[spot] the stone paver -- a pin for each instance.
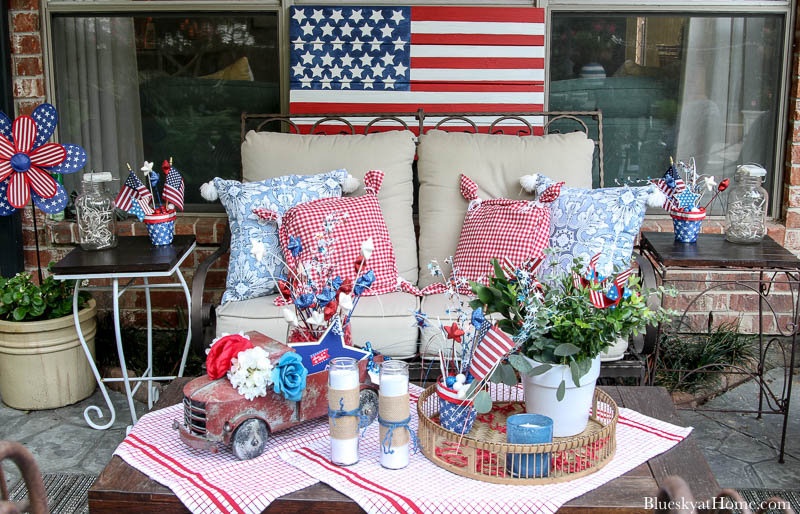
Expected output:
(60, 439)
(743, 450)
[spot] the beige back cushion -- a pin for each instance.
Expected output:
(496, 163)
(269, 154)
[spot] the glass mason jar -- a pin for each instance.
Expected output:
(97, 220)
(746, 215)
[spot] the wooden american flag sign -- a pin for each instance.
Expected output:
(347, 60)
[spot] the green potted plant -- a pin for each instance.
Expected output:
(42, 362)
(561, 333)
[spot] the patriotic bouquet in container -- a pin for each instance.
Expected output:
(567, 320)
(683, 189)
(156, 210)
(315, 286)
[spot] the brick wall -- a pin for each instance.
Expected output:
(57, 238)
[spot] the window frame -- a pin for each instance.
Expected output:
(786, 8)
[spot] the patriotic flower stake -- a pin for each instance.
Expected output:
(27, 160)
(147, 205)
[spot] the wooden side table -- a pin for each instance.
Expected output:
(712, 253)
(133, 258)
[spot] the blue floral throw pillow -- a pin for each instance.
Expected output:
(585, 222)
(256, 259)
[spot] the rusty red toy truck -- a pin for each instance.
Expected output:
(215, 414)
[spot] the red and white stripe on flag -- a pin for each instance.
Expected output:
(444, 59)
(494, 346)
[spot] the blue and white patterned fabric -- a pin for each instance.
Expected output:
(456, 417)
(161, 234)
(585, 222)
(247, 276)
(686, 231)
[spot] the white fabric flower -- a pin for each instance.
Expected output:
(711, 184)
(367, 247)
(317, 318)
(346, 301)
(251, 372)
(290, 316)
(257, 249)
(147, 167)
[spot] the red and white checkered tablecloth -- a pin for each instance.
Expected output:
(425, 487)
(216, 483)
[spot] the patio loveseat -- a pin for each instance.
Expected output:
(421, 227)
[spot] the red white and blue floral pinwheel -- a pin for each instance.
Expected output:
(26, 161)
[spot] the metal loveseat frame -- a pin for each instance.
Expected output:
(517, 123)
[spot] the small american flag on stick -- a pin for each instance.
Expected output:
(494, 346)
(174, 188)
(131, 189)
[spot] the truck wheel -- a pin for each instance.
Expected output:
(368, 403)
(250, 439)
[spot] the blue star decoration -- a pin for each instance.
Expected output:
(317, 355)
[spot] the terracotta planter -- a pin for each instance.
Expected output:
(42, 363)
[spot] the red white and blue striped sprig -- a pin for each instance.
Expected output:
(603, 297)
(27, 161)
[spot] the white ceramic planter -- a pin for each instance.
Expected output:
(569, 415)
(42, 363)
(616, 351)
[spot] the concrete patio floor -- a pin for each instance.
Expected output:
(741, 450)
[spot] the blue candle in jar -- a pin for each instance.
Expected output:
(528, 429)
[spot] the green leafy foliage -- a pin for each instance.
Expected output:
(23, 300)
(482, 402)
(556, 323)
(714, 350)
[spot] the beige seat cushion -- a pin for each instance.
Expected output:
(385, 320)
(496, 163)
(269, 154)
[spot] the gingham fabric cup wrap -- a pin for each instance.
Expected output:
(362, 219)
(514, 229)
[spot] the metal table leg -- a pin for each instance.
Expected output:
(189, 324)
(120, 351)
(97, 377)
(149, 343)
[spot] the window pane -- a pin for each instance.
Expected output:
(131, 88)
(672, 85)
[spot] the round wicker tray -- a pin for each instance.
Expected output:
(483, 453)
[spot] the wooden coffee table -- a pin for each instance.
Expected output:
(121, 488)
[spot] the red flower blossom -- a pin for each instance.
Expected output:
(218, 361)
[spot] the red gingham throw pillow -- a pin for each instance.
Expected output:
(514, 230)
(352, 221)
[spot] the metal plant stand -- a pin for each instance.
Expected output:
(769, 264)
(134, 258)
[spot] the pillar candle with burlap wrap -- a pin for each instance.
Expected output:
(343, 410)
(393, 415)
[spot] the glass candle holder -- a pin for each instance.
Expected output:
(343, 410)
(393, 415)
(528, 429)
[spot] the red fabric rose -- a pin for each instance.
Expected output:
(218, 361)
